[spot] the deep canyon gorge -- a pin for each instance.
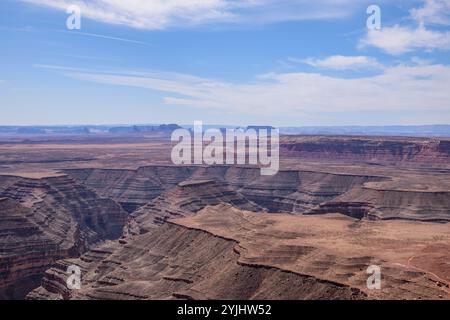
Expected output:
(141, 228)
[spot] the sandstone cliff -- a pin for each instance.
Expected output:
(68, 217)
(382, 149)
(225, 253)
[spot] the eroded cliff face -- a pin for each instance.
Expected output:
(297, 191)
(186, 199)
(288, 191)
(376, 204)
(61, 217)
(293, 191)
(132, 188)
(226, 253)
(175, 262)
(25, 250)
(117, 224)
(381, 149)
(59, 203)
(79, 210)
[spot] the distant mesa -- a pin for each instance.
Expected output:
(40, 130)
(88, 129)
(30, 130)
(411, 131)
(258, 128)
(404, 131)
(144, 129)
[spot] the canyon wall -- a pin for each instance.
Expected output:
(90, 217)
(293, 191)
(174, 262)
(60, 216)
(226, 253)
(384, 149)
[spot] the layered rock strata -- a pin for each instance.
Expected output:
(226, 253)
(48, 219)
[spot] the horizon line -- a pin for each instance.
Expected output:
(223, 124)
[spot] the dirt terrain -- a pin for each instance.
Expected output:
(142, 228)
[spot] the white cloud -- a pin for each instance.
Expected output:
(160, 14)
(339, 62)
(433, 12)
(398, 40)
(400, 88)
(421, 62)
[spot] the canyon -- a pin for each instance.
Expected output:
(142, 228)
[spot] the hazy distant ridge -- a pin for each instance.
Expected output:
(418, 131)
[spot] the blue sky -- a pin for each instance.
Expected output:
(281, 63)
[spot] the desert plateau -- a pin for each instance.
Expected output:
(140, 227)
(207, 159)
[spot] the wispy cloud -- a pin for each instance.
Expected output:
(433, 12)
(339, 62)
(399, 39)
(413, 87)
(161, 14)
(107, 37)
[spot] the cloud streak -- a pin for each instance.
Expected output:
(339, 62)
(162, 14)
(106, 37)
(400, 88)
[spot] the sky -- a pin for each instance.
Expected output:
(237, 62)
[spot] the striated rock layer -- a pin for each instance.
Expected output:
(288, 191)
(379, 149)
(48, 219)
(175, 262)
(75, 211)
(186, 199)
(293, 191)
(226, 253)
(120, 221)
(376, 204)
(25, 250)
(132, 188)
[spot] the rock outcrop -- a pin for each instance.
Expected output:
(175, 262)
(375, 204)
(25, 250)
(371, 149)
(132, 188)
(288, 191)
(293, 191)
(225, 253)
(63, 219)
(162, 231)
(186, 199)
